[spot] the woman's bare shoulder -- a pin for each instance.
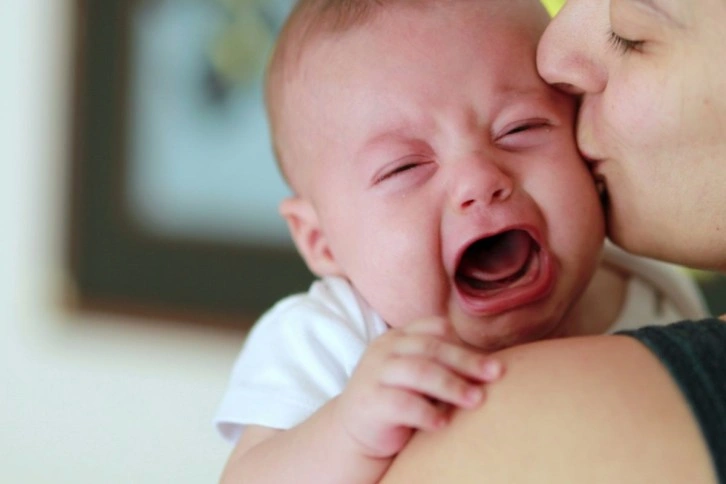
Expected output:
(593, 409)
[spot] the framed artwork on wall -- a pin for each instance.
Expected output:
(174, 185)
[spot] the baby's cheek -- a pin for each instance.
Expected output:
(418, 294)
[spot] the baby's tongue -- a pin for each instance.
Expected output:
(496, 258)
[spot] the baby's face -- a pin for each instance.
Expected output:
(443, 170)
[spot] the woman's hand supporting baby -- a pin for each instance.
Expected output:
(408, 379)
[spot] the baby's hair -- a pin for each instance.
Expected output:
(308, 21)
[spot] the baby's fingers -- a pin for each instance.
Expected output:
(463, 360)
(409, 409)
(432, 379)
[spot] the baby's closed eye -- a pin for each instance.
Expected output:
(524, 134)
(404, 166)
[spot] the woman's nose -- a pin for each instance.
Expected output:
(479, 183)
(568, 55)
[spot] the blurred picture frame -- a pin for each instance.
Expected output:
(139, 240)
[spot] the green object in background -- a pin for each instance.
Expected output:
(239, 51)
(553, 6)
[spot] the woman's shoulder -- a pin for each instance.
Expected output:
(589, 409)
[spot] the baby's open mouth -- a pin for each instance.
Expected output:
(495, 264)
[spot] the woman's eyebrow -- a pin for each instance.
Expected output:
(656, 7)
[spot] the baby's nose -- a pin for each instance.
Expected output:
(479, 182)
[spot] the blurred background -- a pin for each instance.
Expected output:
(133, 218)
(87, 396)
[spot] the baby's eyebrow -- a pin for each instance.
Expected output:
(375, 144)
(394, 143)
(387, 133)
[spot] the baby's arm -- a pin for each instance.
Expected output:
(406, 380)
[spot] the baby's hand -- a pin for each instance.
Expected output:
(407, 380)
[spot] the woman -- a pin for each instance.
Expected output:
(652, 123)
(652, 78)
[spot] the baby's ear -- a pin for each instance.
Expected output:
(302, 221)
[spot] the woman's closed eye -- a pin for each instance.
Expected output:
(623, 45)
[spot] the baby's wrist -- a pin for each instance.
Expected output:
(356, 434)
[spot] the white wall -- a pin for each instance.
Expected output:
(83, 398)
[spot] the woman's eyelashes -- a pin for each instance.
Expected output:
(623, 45)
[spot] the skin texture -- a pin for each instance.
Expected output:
(652, 118)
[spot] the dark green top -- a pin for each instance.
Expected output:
(694, 352)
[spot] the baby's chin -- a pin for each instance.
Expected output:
(518, 327)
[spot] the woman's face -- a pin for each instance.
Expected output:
(652, 74)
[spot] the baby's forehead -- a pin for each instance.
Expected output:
(309, 41)
(316, 22)
(302, 63)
